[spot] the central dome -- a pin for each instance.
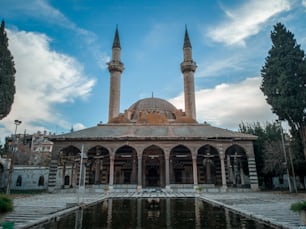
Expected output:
(152, 110)
(153, 104)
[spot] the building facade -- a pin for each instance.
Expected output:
(152, 144)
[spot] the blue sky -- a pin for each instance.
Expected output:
(61, 48)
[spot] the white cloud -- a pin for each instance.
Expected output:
(227, 105)
(246, 20)
(215, 67)
(304, 3)
(78, 126)
(44, 78)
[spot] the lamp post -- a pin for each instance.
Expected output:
(285, 154)
(14, 149)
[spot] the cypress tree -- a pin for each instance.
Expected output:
(7, 75)
(284, 80)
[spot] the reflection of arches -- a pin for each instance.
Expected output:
(153, 167)
(209, 166)
(125, 165)
(181, 165)
(98, 164)
(236, 163)
(19, 181)
(41, 181)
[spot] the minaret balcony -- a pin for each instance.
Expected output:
(115, 66)
(188, 66)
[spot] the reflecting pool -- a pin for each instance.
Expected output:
(165, 213)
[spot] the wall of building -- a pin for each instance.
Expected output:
(30, 178)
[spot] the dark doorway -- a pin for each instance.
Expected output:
(152, 175)
(153, 167)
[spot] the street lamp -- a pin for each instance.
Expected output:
(285, 155)
(15, 146)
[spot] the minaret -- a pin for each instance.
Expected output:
(188, 67)
(115, 67)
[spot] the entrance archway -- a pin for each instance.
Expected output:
(125, 168)
(69, 160)
(209, 166)
(153, 166)
(236, 163)
(98, 164)
(181, 171)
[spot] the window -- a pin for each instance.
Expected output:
(19, 181)
(41, 181)
(67, 180)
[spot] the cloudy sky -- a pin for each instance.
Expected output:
(60, 50)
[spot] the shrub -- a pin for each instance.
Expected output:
(6, 204)
(299, 206)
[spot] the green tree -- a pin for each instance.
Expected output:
(7, 75)
(284, 80)
(267, 150)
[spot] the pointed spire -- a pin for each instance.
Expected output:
(116, 43)
(187, 43)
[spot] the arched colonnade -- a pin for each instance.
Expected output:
(155, 165)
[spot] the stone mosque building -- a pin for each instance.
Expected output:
(152, 145)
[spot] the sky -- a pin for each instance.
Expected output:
(61, 48)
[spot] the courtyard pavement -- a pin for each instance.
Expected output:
(270, 207)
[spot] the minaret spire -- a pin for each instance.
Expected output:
(116, 43)
(115, 67)
(188, 67)
(187, 43)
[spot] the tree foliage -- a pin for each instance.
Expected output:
(284, 80)
(266, 149)
(7, 75)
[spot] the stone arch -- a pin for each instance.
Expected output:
(97, 165)
(125, 165)
(153, 167)
(236, 164)
(68, 162)
(209, 166)
(181, 171)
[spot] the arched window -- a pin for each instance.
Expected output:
(67, 180)
(19, 181)
(41, 181)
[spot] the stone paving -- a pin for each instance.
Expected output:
(272, 208)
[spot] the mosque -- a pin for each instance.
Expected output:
(152, 145)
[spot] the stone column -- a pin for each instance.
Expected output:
(208, 172)
(195, 171)
(97, 172)
(63, 175)
(222, 156)
(167, 172)
(133, 174)
(111, 172)
(139, 179)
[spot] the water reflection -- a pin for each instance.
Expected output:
(169, 213)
